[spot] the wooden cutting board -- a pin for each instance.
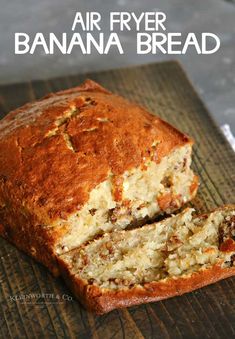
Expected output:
(34, 304)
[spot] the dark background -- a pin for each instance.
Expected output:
(213, 75)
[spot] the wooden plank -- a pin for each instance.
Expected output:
(207, 313)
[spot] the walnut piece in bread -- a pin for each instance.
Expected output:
(157, 261)
(82, 162)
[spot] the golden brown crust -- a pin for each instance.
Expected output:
(28, 236)
(101, 301)
(106, 134)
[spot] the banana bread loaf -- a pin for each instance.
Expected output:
(82, 162)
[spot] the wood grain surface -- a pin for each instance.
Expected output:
(35, 305)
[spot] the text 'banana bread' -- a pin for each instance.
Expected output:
(83, 162)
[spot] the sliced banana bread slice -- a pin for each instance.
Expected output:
(157, 261)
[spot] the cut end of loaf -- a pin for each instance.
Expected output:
(161, 253)
(131, 199)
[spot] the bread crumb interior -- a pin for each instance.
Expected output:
(175, 247)
(145, 193)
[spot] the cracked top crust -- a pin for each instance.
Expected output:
(54, 151)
